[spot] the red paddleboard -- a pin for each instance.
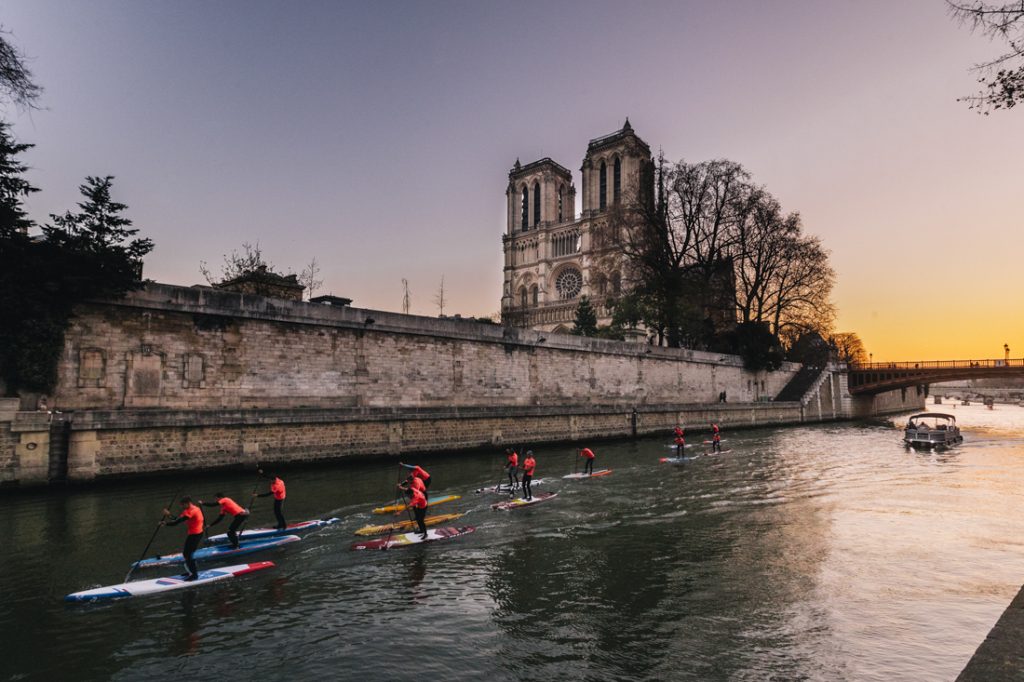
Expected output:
(599, 472)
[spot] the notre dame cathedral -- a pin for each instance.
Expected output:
(550, 252)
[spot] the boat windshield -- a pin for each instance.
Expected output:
(931, 422)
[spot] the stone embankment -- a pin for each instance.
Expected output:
(185, 378)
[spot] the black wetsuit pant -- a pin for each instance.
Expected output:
(236, 523)
(588, 468)
(527, 490)
(191, 545)
(420, 514)
(426, 485)
(513, 478)
(716, 445)
(279, 513)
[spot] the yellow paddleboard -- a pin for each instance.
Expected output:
(402, 506)
(406, 525)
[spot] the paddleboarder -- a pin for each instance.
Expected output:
(512, 467)
(417, 484)
(588, 467)
(228, 506)
(418, 472)
(193, 518)
(278, 490)
(529, 465)
(418, 504)
(716, 438)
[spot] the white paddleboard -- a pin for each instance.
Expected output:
(519, 502)
(141, 588)
(599, 472)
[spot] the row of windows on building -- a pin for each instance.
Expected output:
(602, 197)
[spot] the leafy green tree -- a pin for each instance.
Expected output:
(586, 319)
(91, 253)
(13, 187)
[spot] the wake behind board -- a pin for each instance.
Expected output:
(400, 507)
(503, 487)
(413, 538)
(720, 452)
(676, 460)
(260, 533)
(519, 502)
(406, 525)
(142, 588)
(599, 472)
(215, 552)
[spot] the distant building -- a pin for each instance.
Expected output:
(328, 299)
(264, 282)
(549, 251)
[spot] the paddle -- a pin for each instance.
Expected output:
(252, 501)
(576, 461)
(153, 537)
(398, 495)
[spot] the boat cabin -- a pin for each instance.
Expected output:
(932, 430)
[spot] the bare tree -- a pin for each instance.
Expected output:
(405, 296)
(712, 243)
(1002, 78)
(439, 298)
(236, 264)
(16, 84)
(309, 278)
(848, 348)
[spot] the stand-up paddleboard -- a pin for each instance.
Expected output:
(599, 472)
(216, 552)
(720, 452)
(520, 502)
(673, 446)
(142, 588)
(676, 460)
(401, 506)
(504, 489)
(261, 533)
(406, 525)
(413, 538)
(709, 442)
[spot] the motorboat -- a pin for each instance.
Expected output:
(932, 430)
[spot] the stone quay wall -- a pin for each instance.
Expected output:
(187, 378)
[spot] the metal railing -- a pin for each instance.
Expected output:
(937, 364)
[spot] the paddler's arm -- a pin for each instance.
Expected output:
(207, 504)
(173, 521)
(266, 494)
(407, 466)
(218, 520)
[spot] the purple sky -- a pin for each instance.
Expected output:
(378, 136)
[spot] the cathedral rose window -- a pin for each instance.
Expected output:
(569, 283)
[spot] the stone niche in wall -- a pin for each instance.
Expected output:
(92, 365)
(193, 371)
(145, 378)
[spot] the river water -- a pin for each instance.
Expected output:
(823, 552)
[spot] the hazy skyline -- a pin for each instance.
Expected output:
(378, 137)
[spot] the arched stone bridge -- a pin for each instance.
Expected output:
(876, 377)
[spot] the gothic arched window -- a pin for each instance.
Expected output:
(524, 222)
(522, 297)
(602, 200)
(536, 204)
(535, 294)
(561, 201)
(617, 180)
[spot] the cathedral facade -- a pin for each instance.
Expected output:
(550, 252)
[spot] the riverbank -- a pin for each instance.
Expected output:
(1000, 657)
(37, 448)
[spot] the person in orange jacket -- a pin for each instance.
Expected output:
(529, 466)
(278, 490)
(418, 504)
(192, 516)
(228, 506)
(512, 467)
(588, 467)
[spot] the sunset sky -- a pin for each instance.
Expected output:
(377, 136)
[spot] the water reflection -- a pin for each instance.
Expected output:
(825, 552)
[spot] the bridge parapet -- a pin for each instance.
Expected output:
(876, 377)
